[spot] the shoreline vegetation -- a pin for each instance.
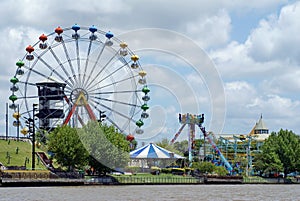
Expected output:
(45, 178)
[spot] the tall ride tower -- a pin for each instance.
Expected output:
(191, 120)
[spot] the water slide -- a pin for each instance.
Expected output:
(213, 144)
(45, 160)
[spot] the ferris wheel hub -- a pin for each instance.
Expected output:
(79, 96)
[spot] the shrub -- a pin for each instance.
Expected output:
(155, 170)
(189, 170)
(132, 169)
(166, 170)
(220, 170)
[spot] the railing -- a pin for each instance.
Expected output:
(158, 180)
(279, 180)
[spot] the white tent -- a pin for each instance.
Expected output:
(152, 151)
(152, 155)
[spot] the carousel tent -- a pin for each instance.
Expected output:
(152, 151)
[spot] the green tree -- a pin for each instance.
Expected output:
(108, 148)
(133, 145)
(165, 143)
(204, 167)
(182, 147)
(220, 170)
(280, 152)
(65, 144)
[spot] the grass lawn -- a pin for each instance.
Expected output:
(14, 153)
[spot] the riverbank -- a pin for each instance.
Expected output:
(141, 180)
(41, 182)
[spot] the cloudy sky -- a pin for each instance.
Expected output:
(231, 60)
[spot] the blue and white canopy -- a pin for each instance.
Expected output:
(152, 151)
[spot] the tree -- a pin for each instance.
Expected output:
(64, 142)
(204, 167)
(220, 170)
(182, 147)
(165, 143)
(208, 167)
(108, 148)
(280, 152)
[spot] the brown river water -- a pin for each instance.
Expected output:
(154, 192)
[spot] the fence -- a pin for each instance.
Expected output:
(158, 180)
(279, 180)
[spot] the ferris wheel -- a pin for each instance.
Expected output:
(78, 74)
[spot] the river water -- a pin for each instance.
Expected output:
(154, 192)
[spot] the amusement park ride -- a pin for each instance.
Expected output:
(235, 147)
(192, 121)
(75, 73)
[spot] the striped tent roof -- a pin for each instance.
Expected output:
(152, 151)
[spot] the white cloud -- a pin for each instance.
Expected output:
(16, 40)
(254, 4)
(262, 75)
(238, 94)
(269, 56)
(278, 107)
(210, 31)
(275, 35)
(245, 103)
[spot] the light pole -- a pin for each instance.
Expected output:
(6, 116)
(18, 124)
(33, 135)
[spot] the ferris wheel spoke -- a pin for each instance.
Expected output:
(102, 69)
(42, 132)
(113, 83)
(115, 124)
(26, 112)
(115, 101)
(111, 121)
(54, 71)
(29, 83)
(40, 74)
(69, 60)
(68, 91)
(87, 62)
(37, 96)
(96, 63)
(112, 110)
(115, 92)
(29, 97)
(78, 61)
(61, 65)
(108, 76)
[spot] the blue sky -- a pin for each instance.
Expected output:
(252, 51)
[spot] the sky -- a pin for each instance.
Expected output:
(231, 60)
